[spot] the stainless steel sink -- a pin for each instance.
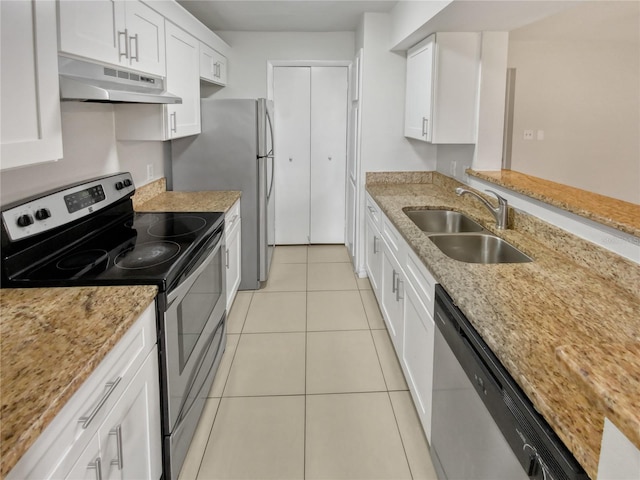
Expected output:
(478, 248)
(442, 221)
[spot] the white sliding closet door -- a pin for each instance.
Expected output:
(310, 105)
(292, 111)
(328, 153)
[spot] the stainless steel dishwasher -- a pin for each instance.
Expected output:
(483, 425)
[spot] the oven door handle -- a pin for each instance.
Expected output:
(188, 282)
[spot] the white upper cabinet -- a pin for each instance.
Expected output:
(165, 122)
(124, 33)
(183, 68)
(31, 128)
(442, 88)
(213, 65)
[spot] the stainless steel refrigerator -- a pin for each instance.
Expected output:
(235, 152)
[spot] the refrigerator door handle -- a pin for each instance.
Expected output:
(273, 174)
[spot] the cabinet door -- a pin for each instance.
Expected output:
(183, 79)
(328, 153)
(417, 354)
(145, 29)
(417, 120)
(233, 262)
(213, 65)
(94, 30)
(31, 129)
(90, 465)
(391, 298)
(373, 256)
(130, 438)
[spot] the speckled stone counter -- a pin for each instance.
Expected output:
(618, 214)
(609, 375)
(214, 201)
(52, 339)
(525, 311)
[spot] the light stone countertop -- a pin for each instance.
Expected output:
(525, 311)
(52, 339)
(618, 214)
(213, 201)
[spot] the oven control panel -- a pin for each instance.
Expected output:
(57, 208)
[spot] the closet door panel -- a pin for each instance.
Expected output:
(329, 90)
(292, 101)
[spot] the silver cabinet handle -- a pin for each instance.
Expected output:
(233, 220)
(124, 54)
(226, 262)
(330, 159)
(97, 465)
(375, 244)
(110, 386)
(132, 57)
(291, 159)
(425, 124)
(173, 121)
(216, 69)
(117, 432)
(371, 209)
(398, 297)
(394, 280)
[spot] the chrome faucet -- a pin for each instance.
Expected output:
(500, 212)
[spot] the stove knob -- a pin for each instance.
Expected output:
(25, 220)
(119, 185)
(127, 183)
(42, 214)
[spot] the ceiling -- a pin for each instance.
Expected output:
(284, 15)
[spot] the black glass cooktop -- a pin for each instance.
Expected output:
(140, 248)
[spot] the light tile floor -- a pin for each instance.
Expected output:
(309, 385)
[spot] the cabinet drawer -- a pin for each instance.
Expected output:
(59, 446)
(373, 212)
(421, 279)
(232, 219)
(392, 238)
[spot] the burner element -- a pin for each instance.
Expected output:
(147, 255)
(177, 226)
(143, 220)
(80, 260)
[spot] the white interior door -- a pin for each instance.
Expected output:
(292, 110)
(329, 89)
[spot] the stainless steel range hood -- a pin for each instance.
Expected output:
(90, 82)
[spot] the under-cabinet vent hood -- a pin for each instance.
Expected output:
(90, 82)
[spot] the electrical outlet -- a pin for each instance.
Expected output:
(452, 167)
(150, 171)
(528, 134)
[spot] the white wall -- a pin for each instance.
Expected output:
(250, 51)
(383, 145)
(90, 150)
(409, 22)
(582, 91)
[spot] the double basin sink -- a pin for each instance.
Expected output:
(462, 239)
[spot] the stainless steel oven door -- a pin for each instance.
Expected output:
(194, 312)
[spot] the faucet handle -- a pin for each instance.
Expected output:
(501, 200)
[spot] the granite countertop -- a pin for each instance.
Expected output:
(213, 201)
(525, 311)
(52, 339)
(618, 214)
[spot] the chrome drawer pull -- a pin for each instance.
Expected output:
(110, 386)
(394, 284)
(132, 57)
(118, 434)
(126, 44)
(97, 464)
(375, 244)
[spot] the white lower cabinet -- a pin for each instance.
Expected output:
(110, 428)
(406, 299)
(373, 247)
(391, 296)
(127, 444)
(233, 257)
(417, 354)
